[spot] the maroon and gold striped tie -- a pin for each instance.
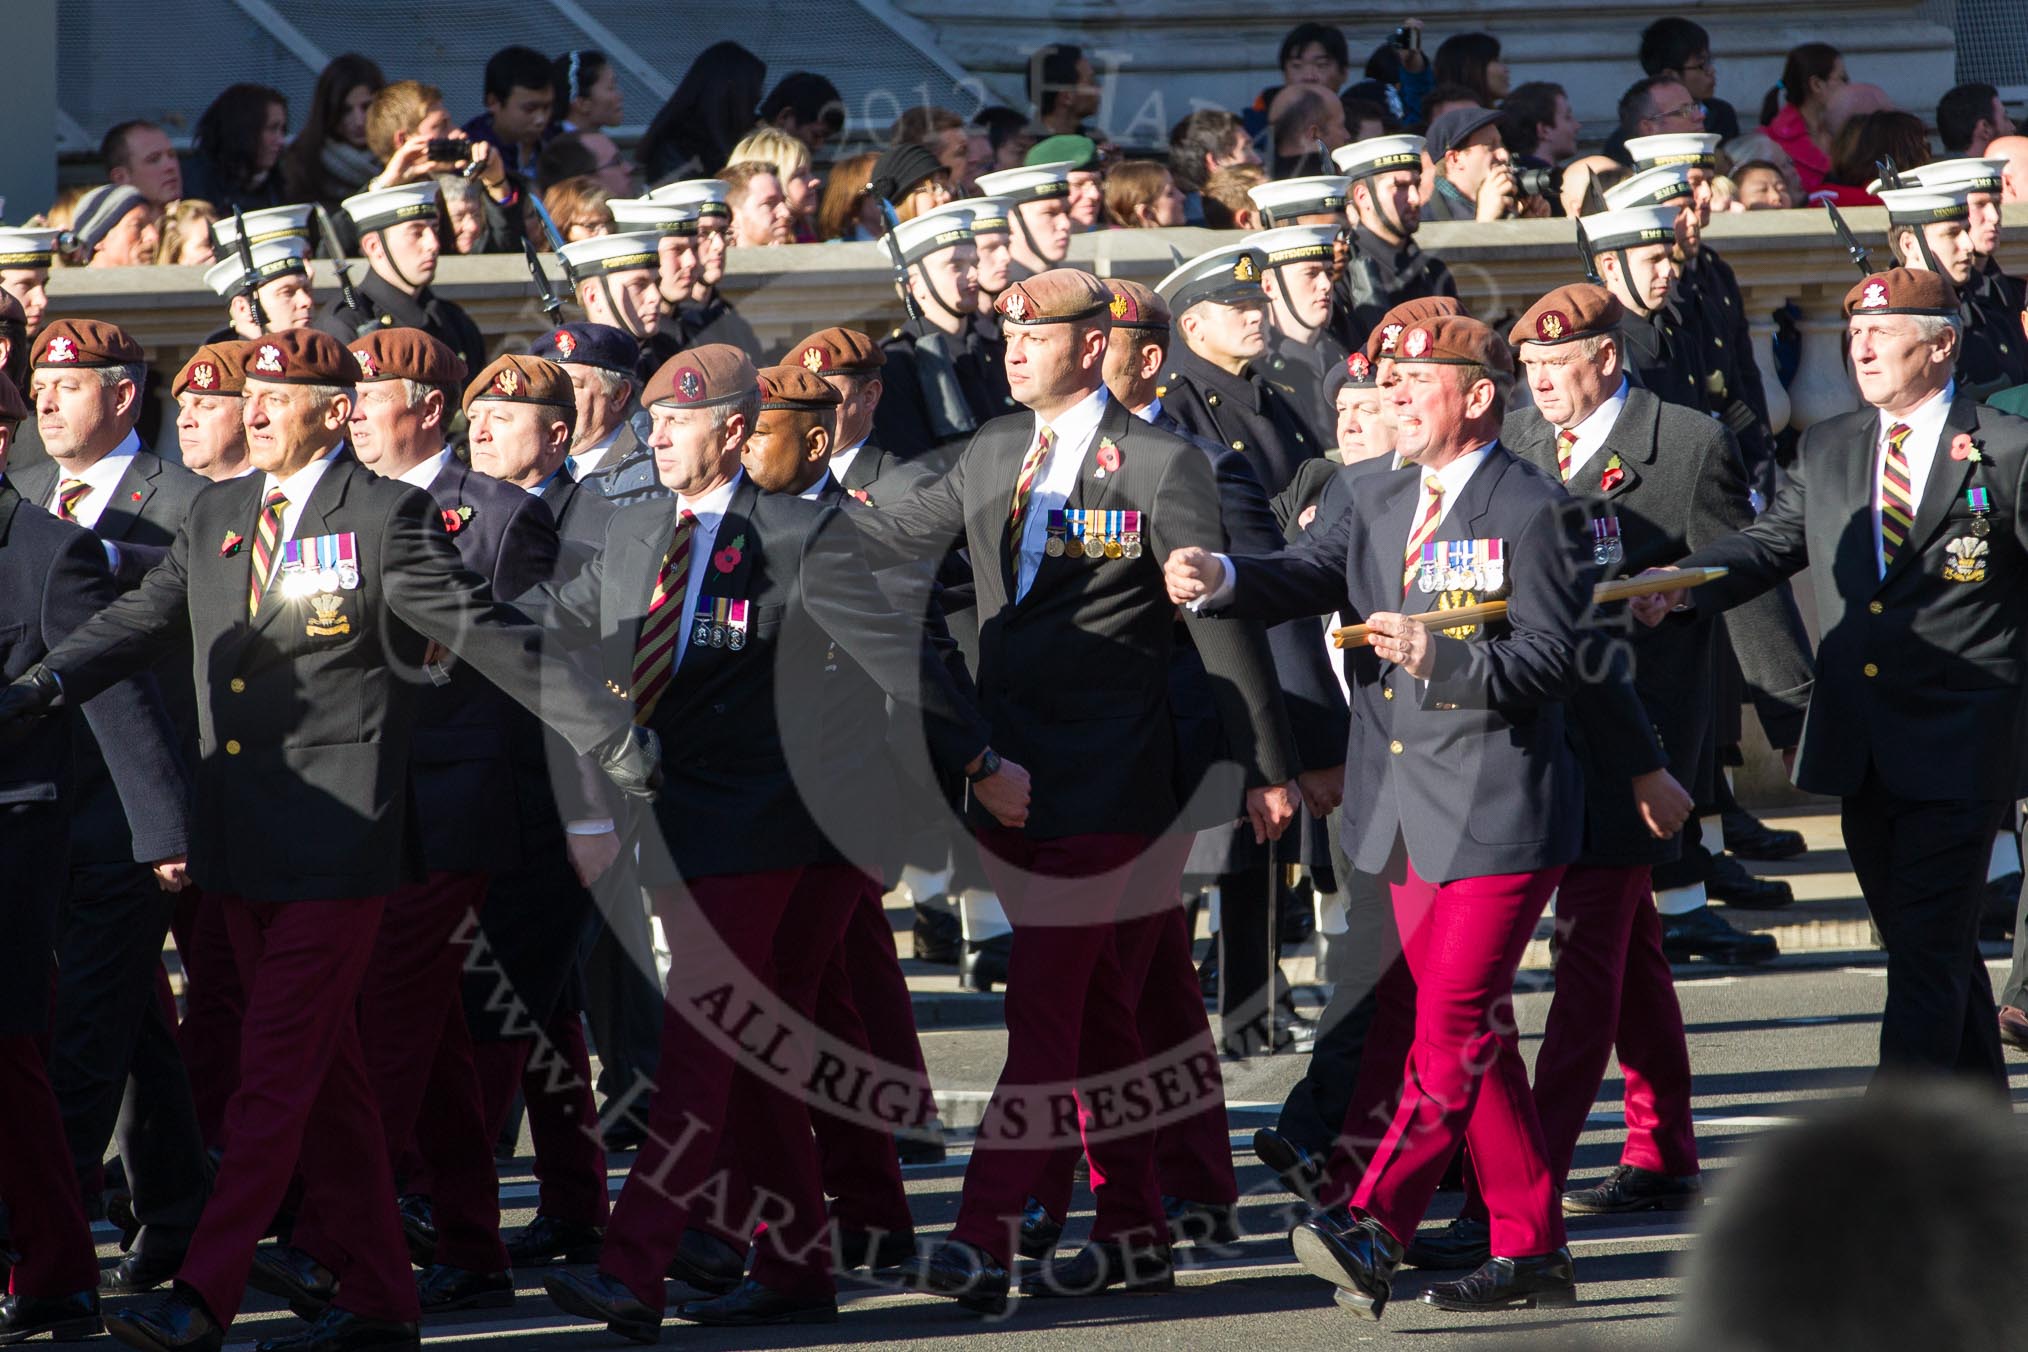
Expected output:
(68, 494)
(1897, 497)
(1565, 440)
(655, 654)
(1425, 526)
(267, 548)
(1024, 485)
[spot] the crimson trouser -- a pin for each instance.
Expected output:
(1464, 1080)
(553, 1073)
(303, 1101)
(1613, 989)
(1088, 913)
(36, 1178)
(741, 975)
(214, 1002)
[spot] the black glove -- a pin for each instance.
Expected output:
(35, 692)
(633, 761)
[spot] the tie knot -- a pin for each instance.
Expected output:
(1898, 434)
(1433, 485)
(275, 501)
(686, 517)
(1046, 437)
(1566, 438)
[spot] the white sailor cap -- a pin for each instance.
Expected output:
(383, 207)
(1293, 244)
(1379, 155)
(1229, 275)
(1030, 182)
(1921, 206)
(708, 195)
(28, 248)
(263, 225)
(1690, 149)
(988, 214)
(602, 255)
(1958, 175)
(272, 258)
(649, 215)
(1650, 188)
(1284, 199)
(946, 227)
(1631, 227)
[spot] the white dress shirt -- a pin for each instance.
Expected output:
(424, 473)
(588, 460)
(1593, 429)
(1151, 412)
(1075, 431)
(842, 460)
(709, 511)
(1925, 433)
(103, 476)
(816, 490)
(297, 488)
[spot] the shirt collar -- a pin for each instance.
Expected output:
(298, 487)
(424, 473)
(714, 503)
(1151, 412)
(1077, 424)
(817, 489)
(1459, 472)
(103, 473)
(592, 456)
(1925, 421)
(1600, 420)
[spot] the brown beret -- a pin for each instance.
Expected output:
(839, 351)
(1387, 333)
(797, 388)
(1579, 310)
(216, 368)
(1902, 291)
(1137, 307)
(522, 380)
(13, 408)
(1454, 340)
(301, 357)
(407, 354)
(85, 342)
(701, 377)
(1057, 296)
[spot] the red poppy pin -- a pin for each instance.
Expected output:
(137, 497)
(1613, 477)
(727, 559)
(230, 545)
(1108, 458)
(456, 518)
(1964, 448)
(860, 495)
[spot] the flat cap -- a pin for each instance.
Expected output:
(13, 408)
(900, 168)
(84, 342)
(1456, 127)
(838, 351)
(1454, 340)
(1057, 296)
(515, 379)
(1230, 276)
(407, 354)
(215, 368)
(795, 388)
(1135, 306)
(301, 357)
(702, 377)
(582, 343)
(1074, 152)
(99, 210)
(1566, 314)
(1902, 291)
(1386, 335)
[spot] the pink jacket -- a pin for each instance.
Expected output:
(1792, 134)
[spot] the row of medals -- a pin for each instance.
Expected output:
(1126, 546)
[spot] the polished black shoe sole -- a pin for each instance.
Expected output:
(571, 1301)
(1321, 1258)
(59, 1331)
(1546, 1300)
(137, 1336)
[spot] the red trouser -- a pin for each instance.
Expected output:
(214, 1003)
(38, 1180)
(1465, 1080)
(303, 1102)
(553, 1073)
(1193, 1151)
(1087, 913)
(735, 978)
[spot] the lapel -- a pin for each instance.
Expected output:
(130, 495)
(1396, 497)
(1534, 440)
(1946, 481)
(1632, 439)
(1002, 471)
(1090, 492)
(325, 499)
(865, 467)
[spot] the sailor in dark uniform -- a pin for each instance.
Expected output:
(1383, 197)
(1302, 351)
(991, 235)
(1635, 252)
(279, 240)
(398, 235)
(936, 389)
(1995, 354)
(675, 226)
(707, 316)
(1037, 199)
(618, 283)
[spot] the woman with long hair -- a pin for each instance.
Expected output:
(710, 110)
(588, 96)
(1141, 194)
(801, 184)
(1472, 60)
(329, 159)
(848, 211)
(1861, 145)
(236, 150)
(1793, 111)
(186, 234)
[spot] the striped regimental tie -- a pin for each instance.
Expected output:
(68, 494)
(655, 655)
(1425, 526)
(1897, 497)
(1565, 440)
(267, 548)
(1024, 486)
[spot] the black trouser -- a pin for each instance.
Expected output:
(1922, 869)
(1249, 953)
(113, 1059)
(1314, 1112)
(622, 994)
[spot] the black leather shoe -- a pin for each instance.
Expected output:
(1510, 1284)
(548, 1240)
(1460, 1246)
(983, 966)
(343, 1331)
(1751, 838)
(1356, 1256)
(137, 1272)
(306, 1284)
(178, 1324)
(1627, 1188)
(1212, 1223)
(443, 1288)
(604, 1300)
(1300, 1171)
(751, 1303)
(707, 1263)
(1703, 933)
(1039, 1231)
(969, 1275)
(937, 936)
(419, 1228)
(1732, 884)
(921, 1145)
(66, 1319)
(1101, 1264)
(876, 1249)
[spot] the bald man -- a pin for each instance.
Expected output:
(2014, 178)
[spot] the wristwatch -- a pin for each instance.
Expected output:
(989, 765)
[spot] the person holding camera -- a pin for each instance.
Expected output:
(1474, 179)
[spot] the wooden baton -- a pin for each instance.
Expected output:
(1620, 589)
